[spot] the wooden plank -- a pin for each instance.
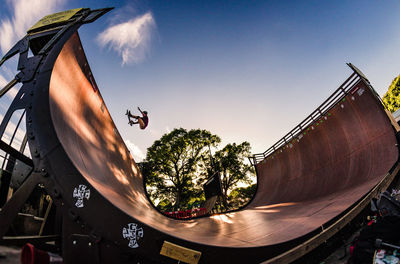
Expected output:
(180, 253)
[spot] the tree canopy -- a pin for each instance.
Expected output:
(240, 196)
(391, 99)
(171, 163)
(179, 163)
(231, 165)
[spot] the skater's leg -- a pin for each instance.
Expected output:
(141, 123)
(130, 115)
(132, 122)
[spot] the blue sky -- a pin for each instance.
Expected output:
(244, 70)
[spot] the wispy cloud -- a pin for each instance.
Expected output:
(10, 129)
(136, 152)
(25, 13)
(7, 72)
(131, 39)
(3, 81)
(12, 92)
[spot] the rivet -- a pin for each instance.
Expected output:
(74, 242)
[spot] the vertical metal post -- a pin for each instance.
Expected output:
(212, 160)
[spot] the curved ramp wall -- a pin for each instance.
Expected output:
(99, 187)
(351, 147)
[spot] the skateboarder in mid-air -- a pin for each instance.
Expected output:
(143, 120)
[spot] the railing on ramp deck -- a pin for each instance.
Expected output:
(322, 112)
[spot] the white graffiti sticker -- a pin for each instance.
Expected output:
(360, 91)
(80, 193)
(133, 234)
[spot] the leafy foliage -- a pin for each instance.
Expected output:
(230, 163)
(391, 99)
(240, 196)
(171, 164)
(178, 164)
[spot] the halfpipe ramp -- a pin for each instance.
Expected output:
(317, 176)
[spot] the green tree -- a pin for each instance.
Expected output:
(171, 164)
(240, 196)
(231, 164)
(391, 99)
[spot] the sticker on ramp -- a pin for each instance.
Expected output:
(80, 193)
(133, 234)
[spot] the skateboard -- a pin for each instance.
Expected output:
(130, 122)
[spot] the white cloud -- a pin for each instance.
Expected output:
(3, 81)
(130, 39)
(10, 129)
(25, 14)
(9, 74)
(12, 92)
(7, 35)
(135, 151)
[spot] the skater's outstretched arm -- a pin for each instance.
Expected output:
(140, 110)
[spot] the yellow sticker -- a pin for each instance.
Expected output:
(180, 253)
(55, 18)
